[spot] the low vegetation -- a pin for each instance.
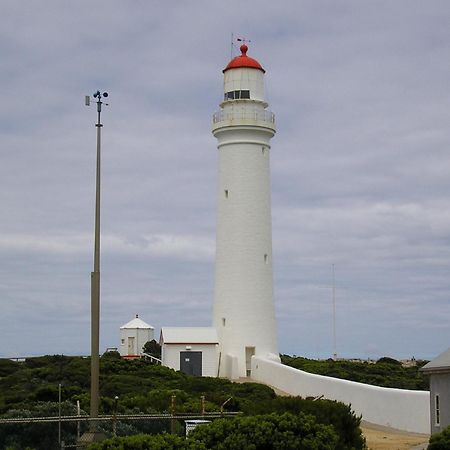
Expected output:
(30, 388)
(266, 432)
(440, 441)
(386, 372)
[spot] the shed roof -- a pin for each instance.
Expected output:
(440, 363)
(137, 323)
(189, 335)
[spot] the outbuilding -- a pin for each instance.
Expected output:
(193, 350)
(439, 371)
(133, 336)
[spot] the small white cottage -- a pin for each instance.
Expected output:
(192, 350)
(133, 336)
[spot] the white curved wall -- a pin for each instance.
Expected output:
(396, 408)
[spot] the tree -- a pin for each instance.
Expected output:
(152, 348)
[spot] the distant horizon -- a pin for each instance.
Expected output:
(307, 356)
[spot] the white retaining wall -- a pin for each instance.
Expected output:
(396, 408)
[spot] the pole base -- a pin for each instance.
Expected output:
(91, 437)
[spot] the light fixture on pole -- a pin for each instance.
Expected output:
(94, 435)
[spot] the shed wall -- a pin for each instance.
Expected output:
(170, 356)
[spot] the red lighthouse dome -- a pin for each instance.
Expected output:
(243, 61)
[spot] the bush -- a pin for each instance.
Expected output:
(142, 442)
(327, 412)
(387, 372)
(387, 360)
(440, 441)
(266, 432)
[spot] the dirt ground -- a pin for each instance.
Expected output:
(382, 438)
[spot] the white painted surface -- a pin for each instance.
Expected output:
(170, 356)
(245, 79)
(397, 408)
(243, 311)
(133, 336)
(174, 340)
(188, 335)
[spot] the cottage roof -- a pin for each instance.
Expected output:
(189, 335)
(440, 363)
(136, 323)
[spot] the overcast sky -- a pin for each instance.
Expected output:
(360, 168)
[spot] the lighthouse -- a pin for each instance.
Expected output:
(243, 310)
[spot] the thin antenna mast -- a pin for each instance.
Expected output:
(334, 315)
(232, 45)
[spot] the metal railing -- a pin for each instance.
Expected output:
(257, 115)
(152, 358)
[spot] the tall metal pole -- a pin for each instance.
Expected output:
(95, 278)
(94, 434)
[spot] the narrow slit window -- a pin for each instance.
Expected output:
(266, 258)
(263, 150)
(223, 321)
(226, 193)
(438, 410)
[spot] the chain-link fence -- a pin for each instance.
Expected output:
(65, 432)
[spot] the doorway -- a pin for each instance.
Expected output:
(131, 346)
(249, 352)
(191, 363)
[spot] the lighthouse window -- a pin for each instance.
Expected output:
(266, 258)
(226, 193)
(236, 95)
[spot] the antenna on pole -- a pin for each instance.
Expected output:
(334, 315)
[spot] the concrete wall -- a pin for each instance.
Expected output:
(440, 385)
(397, 408)
(170, 355)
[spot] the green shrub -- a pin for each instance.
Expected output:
(142, 442)
(387, 372)
(440, 441)
(266, 432)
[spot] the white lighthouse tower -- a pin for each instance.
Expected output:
(243, 312)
